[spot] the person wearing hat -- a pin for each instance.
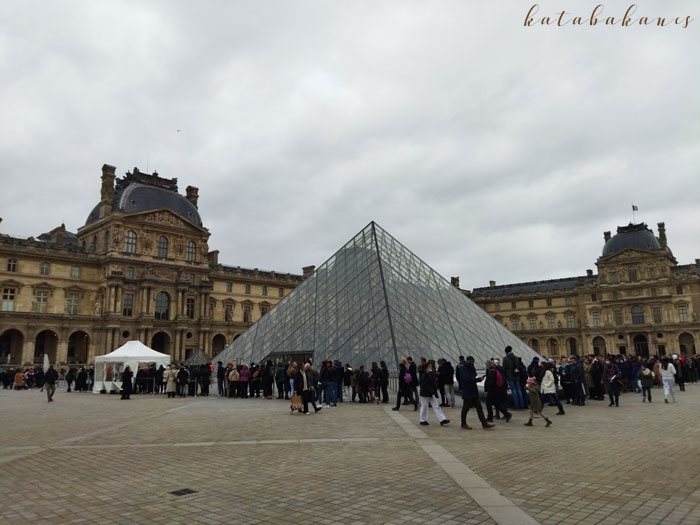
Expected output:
(470, 394)
(533, 390)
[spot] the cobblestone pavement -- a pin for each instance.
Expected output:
(93, 458)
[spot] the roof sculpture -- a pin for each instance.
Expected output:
(375, 300)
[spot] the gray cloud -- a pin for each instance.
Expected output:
(491, 150)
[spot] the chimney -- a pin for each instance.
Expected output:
(107, 191)
(455, 282)
(213, 257)
(697, 261)
(589, 273)
(308, 270)
(192, 194)
(662, 234)
(606, 236)
(492, 283)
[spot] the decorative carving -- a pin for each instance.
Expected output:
(164, 217)
(179, 245)
(147, 243)
(117, 238)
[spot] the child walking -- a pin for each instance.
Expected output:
(533, 390)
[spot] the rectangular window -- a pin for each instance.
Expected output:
(513, 305)
(594, 298)
(550, 320)
(615, 296)
(189, 308)
(532, 322)
(8, 299)
(683, 312)
(40, 301)
(549, 302)
(128, 308)
(130, 272)
(515, 323)
(264, 310)
(679, 289)
(229, 287)
(596, 318)
(247, 288)
(653, 292)
(75, 272)
(656, 312)
(497, 306)
(531, 303)
(569, 320)
(280, 293)
(72, 303)
(652, 272)
(618, 317)
(246, 314)
(12, 265)
(264, 290)
(632, 274)
(567, 301)
(229, 312)
(211, 310)
(44, 270)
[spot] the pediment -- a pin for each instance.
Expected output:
(166, 217)
(629, 255)
(11, 283)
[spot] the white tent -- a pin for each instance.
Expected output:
(109, 367)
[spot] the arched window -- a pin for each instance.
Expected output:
(93, 246)
(130, 242)
(162, 306)
(637, 315)
(162, 246)
(553, 350)
(191, 251)
(106, 242)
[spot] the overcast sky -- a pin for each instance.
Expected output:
(493, 151)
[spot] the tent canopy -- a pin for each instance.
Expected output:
(134, 351)
(109, 367)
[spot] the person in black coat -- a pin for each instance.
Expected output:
(404, 389)
(384, 382)
(413, 370)
(159, 386)
(126, 383)
(204, 379)
(267, 377)
(70, 377)
(577, 380)
(470, 394)
(428, 391)
(496, 390)
(182, 377)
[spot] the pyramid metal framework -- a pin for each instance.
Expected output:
(375, 300)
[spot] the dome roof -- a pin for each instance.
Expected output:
(134, 197)
(634, 236)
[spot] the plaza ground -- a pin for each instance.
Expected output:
(90, 458)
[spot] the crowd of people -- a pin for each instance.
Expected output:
(572, 381)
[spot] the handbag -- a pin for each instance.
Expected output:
(296, 403)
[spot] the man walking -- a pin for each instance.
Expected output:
(510, 367)
(470, 394)
(50, 382)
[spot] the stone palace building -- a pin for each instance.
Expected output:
(641, 302)
(140, 268)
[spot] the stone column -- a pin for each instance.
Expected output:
(62, 351)
(175, 354)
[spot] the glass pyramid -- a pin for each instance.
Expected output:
(375, 300)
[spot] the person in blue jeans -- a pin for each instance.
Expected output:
(510, 367)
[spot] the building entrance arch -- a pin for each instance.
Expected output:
(641, 345)
(686, 343)
(218, 343)
(598, 346)
(11, 342)
(46, 342)
(78, 344)
(161, 343)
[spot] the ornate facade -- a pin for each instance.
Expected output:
(640, 302)
(140, 268)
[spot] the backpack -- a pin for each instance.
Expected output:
(499, 379)
(407, 378)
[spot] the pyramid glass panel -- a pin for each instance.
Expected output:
(374, 300)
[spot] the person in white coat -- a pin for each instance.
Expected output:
(668, 371)
(549, 387)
